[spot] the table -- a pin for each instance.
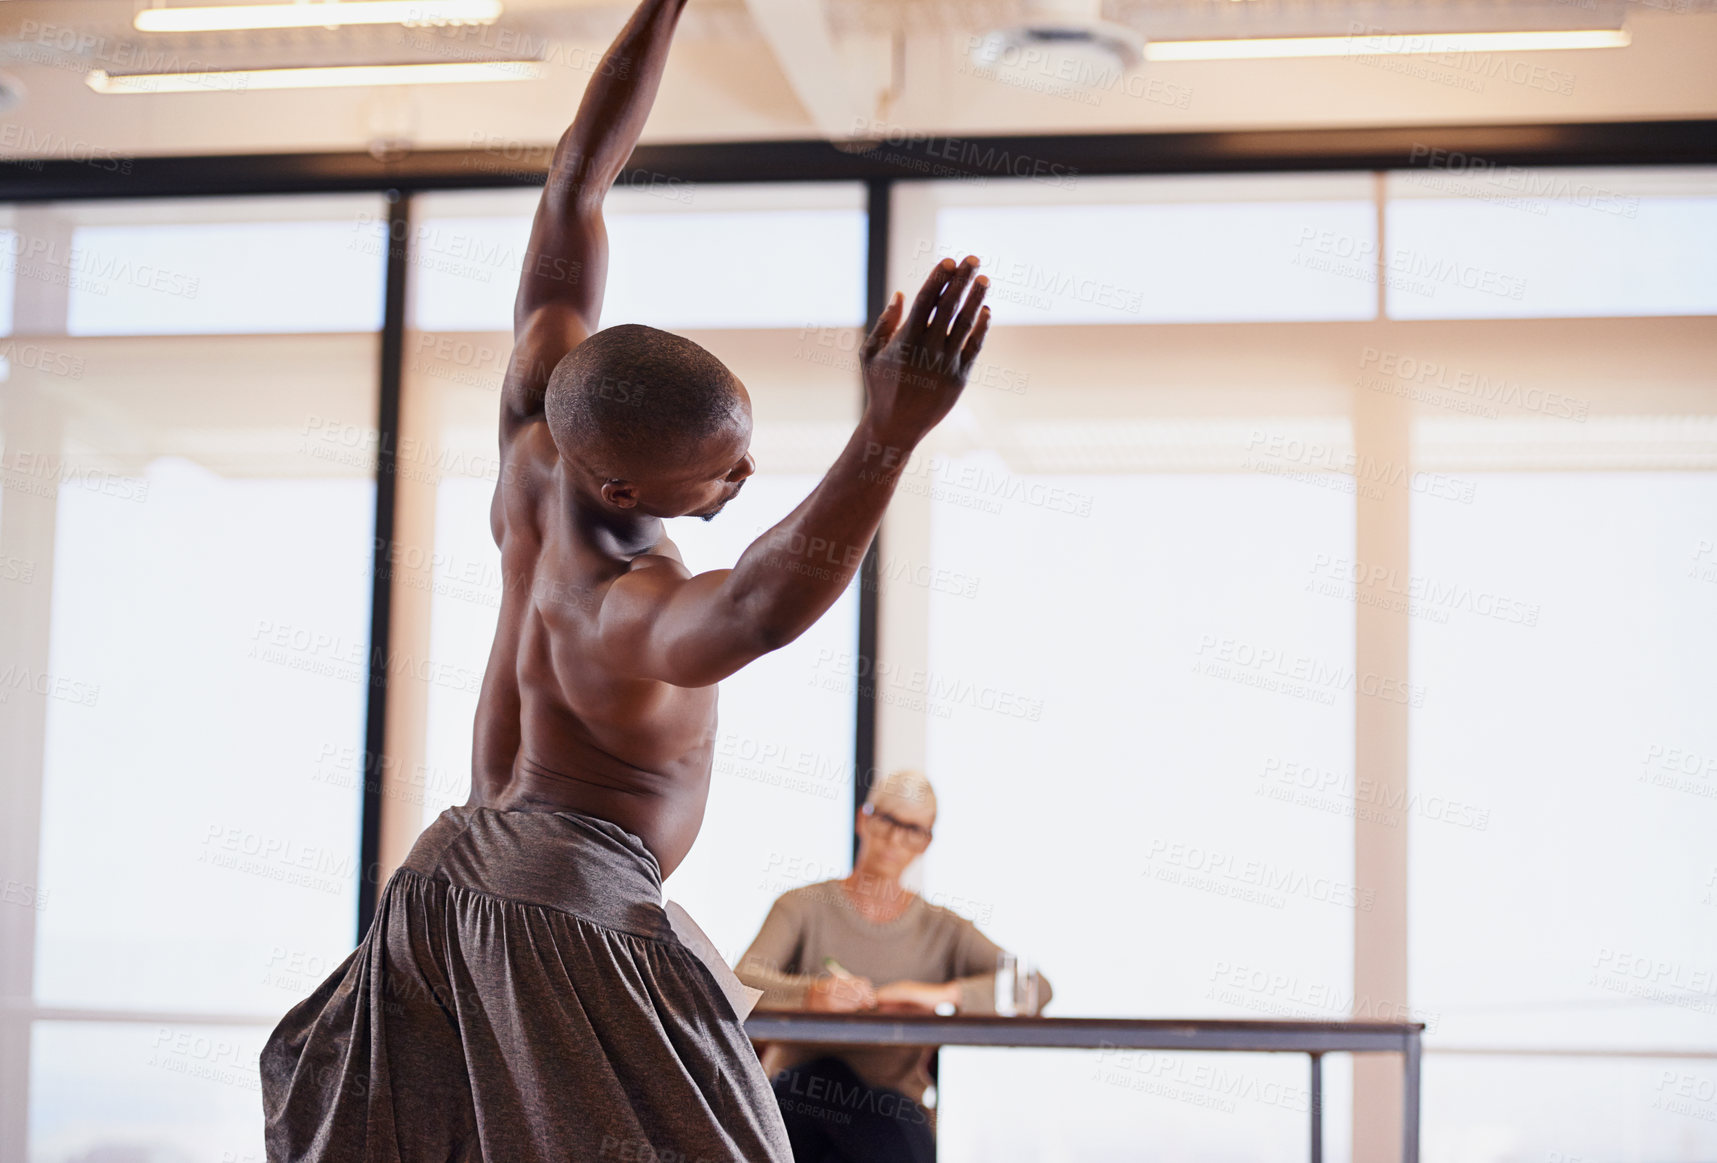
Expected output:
(1314, 1039)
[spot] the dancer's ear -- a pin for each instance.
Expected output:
(622, 494)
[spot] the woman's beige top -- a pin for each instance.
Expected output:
(924, 943)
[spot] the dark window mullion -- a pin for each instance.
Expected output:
(391, 368)
(877, 192)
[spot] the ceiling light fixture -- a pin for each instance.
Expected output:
(323, 77)
(1071, 32)
(1383, 44)
(321, 14)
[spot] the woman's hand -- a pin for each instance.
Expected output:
(916, 996)
(831, 994)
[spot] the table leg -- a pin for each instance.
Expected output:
(1317, 1107)
(1410, 1100)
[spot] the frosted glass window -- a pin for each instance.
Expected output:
(198, 699)
(1594, 248)
(466, 270)
(781, 268)
(1146, 771)
(227, 277)
(1569, 704)
(1569, 694)
(463, 614)
(205, 509)
(691, 267)
(145, 1091)
(1141, 1106)
(1115, 751)
(1485, 1109)
(1176, 262)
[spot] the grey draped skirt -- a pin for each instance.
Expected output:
(520, 997)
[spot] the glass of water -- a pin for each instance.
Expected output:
(1007, 984)
(1026, 989)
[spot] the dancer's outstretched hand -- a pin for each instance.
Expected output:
(915, 371)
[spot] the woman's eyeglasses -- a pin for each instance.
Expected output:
(914, 836)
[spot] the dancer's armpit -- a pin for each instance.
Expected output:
(547, 334)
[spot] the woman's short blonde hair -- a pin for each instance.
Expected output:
(906, 785)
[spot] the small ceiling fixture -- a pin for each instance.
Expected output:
(1068, 38)
(316, 14)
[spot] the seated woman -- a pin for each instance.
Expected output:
(868, 943)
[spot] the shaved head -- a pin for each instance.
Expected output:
(634, 401)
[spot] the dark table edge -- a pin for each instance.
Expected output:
(1085, 1033)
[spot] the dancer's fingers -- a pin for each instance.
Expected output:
(976, 343)
(886, 323)
(927, 295)
(968, 314)
(951, 293)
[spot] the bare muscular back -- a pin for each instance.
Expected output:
(600, 691)
(556, 728)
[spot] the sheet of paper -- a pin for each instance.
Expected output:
(739, 995)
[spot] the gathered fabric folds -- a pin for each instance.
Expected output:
(520, 998)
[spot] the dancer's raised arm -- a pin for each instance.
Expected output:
(696, 630)
(566, 262)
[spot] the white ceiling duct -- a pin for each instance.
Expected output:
(1068, 39)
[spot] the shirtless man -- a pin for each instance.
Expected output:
(522, 994)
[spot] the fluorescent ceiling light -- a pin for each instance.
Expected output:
(326, 77)
(1382, 44)
(227, 17)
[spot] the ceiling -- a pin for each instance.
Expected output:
(770, 69)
